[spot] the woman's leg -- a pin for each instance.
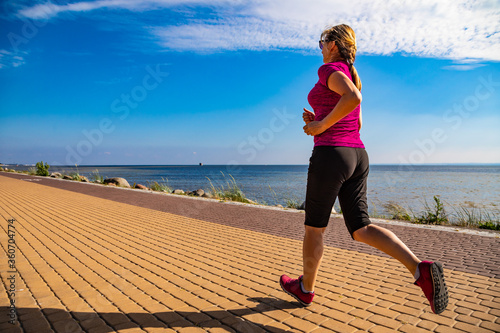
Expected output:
(430, 277)
(312, 252)
(386, 241)
(328, 168)
(352, 198)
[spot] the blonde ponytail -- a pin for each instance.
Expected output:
(345, 39)
(355, 77)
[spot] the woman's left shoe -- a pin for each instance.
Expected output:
(431, 281)
(292, 288)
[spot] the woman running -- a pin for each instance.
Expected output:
(339, 167)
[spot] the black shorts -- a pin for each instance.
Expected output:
(337, 172)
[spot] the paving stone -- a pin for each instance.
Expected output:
(14, 330)
(258, 319)
(383, 311)
(221, 329)
(490, 326)
(412, 329)
(197, 317)
(447, 329)
(158, 330)
(316, 318)
(384, 321)
(301, 325)
(338, 315)
(35, 325)
(472, 306)
(468, 319)
(67, 325)
(438, 319)
(426, 324)
(192, 330)
(115, 318)
(362, 325)
(279, 315)
(380, 329)
(470, 328)
(337, 326)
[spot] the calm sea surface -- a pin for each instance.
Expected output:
(408, 186)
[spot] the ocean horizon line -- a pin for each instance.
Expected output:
(236, 165)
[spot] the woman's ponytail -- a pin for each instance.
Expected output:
(355, 77)
(344, 37)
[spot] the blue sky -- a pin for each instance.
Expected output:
(224, 82)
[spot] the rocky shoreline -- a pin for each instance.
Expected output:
(116, 181)
(122, 182)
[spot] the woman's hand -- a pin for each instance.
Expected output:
(308, 116)
(315, 128)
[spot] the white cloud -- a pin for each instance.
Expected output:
(49, 10)
(463, 67)
(451, 29)
(11, 59)
(235, 33)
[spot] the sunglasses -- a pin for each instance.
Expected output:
(322, 43)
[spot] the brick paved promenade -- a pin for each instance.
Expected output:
(102, 259)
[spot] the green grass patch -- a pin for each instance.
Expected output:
(96, 177)
(471, 217)
(292, 203)
(160, 186)
(229, 192)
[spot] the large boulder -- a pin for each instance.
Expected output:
(178, 191)
(84, 179)
(67, 177)
(55, 175)
(117, 181)
(199, 192)
(140, 186)
(207, 195)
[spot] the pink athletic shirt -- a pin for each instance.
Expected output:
(345, 133)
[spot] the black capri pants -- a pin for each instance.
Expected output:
(337, 172)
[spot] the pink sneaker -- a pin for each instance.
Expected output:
(292, 288)
(431, 281)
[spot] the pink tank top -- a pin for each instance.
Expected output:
(345, 133)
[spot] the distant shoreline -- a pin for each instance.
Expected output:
(401, 195)
(218, 165)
